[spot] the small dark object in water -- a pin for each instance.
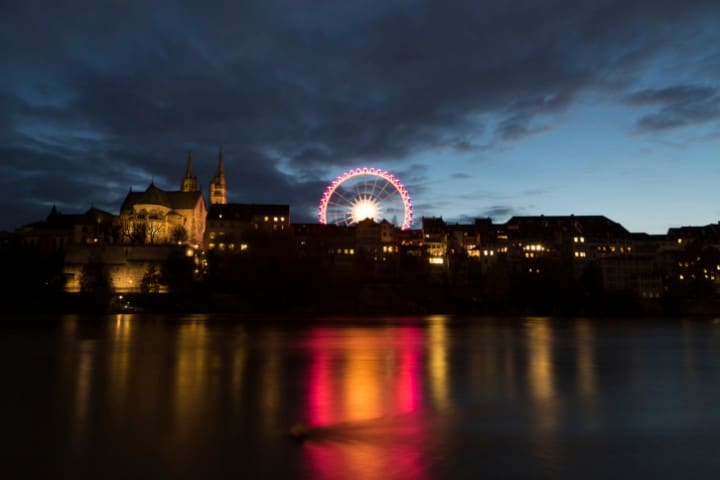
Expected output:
(298, 432)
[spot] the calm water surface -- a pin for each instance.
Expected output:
(139, 396)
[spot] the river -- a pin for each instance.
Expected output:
(198, 396)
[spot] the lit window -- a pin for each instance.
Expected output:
(267, 218)
(212, 235)
(220, 216)
(282, 219)
(243, 246)
(436, 260)
(211, 246)
(275, 219)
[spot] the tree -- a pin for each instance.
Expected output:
(139, 233)
(178, 234)
(94, 277)
(154, 229)
(151, 280)
(179, 272)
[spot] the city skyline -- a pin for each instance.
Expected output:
(592, 108)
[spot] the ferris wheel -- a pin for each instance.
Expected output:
(366, 193)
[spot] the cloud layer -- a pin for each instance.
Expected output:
(101, 96)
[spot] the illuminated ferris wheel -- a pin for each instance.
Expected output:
(366, 193)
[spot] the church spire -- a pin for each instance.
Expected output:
(188, 170)
(189, 182)
(221, 170)
(218, 190)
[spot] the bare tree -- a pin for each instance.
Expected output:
(179, 234)
(154, 229)
(138, 236)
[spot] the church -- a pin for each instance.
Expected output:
(158, 216)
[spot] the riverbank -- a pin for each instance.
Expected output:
(375, 300)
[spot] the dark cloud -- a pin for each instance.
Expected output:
(498, 213)
(96, 97)
(516, 127)
(679, 106)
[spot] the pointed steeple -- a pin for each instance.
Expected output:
(218, 190)
(188, 169)
(189, 182)
(221, 170)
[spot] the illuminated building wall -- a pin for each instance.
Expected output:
(154, 215)
(228, 225)
(125, 265)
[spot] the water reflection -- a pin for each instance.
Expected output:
(239, 360)
(364, 374)
(194, 396)
(438, 362)
(270, 380)
(120, 339)
(540, 363)
(83, 389)
(364, 390)
(408, 392)
(585, 360)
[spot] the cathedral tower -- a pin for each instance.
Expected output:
(189, 182)
(218, 190)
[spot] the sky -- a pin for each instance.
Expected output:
(480, 108)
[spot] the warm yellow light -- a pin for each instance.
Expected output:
(365, 208)
(436, 260)
(189, 252)
(243, 246)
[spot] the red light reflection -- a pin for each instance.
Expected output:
(364, 401)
